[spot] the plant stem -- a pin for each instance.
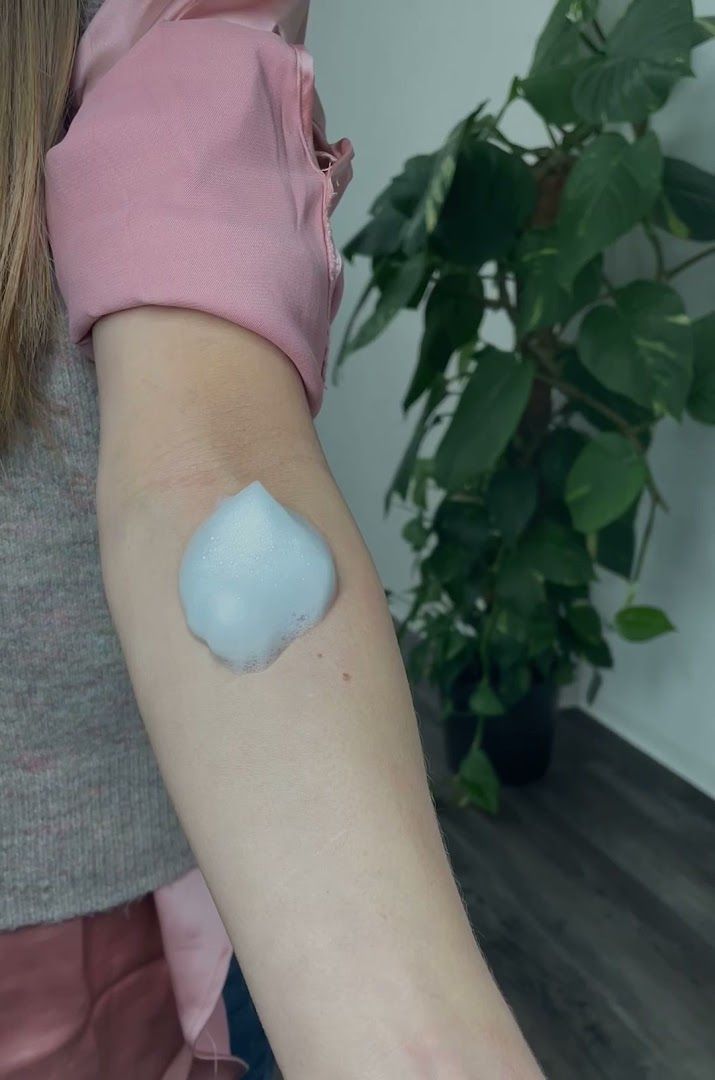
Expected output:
(552, 138)
(599, 30)
(678, 269)
(489, 621)
(517, 148)
(579, 135)
(572, 391)
(504, 298)
(657, 250)
(645, 541)
(511, 96)
(610, 287)
(594, 48)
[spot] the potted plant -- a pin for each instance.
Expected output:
(527, 471)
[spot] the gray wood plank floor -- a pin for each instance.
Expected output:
(593, 897)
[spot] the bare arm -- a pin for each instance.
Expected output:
(301, 788)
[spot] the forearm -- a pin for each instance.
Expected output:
(303, 792)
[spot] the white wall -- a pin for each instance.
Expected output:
(395, 77)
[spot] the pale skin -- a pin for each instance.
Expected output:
(302, 788)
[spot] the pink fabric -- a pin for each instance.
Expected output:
(196, 173)
(118, 25)
(198, 952)
(91, 998)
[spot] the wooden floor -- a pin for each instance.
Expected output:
(593, 896)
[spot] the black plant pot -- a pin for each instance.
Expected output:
(519, 744)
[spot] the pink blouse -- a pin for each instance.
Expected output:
(196, 173)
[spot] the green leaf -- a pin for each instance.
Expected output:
(612, 186)
(690, 193)
(616, 544)
(492, 196)
(511, 500)
(478, 779)
(463, 524)
(401, 480)
(597, 653)
(557, 553)
(543, 300)
(452, 316)
(642, 347)
(484, 702)
(514, 684)
(550, 91)
(541, 631)
(415, 533)
(563, 671)
(463, 536)
(606, 478)
(642, 623)
(423, 219)
(507, 643)
(646, 53)
(703, 29)
(485, 419)
(560, 450)
(586, 287)
(517, 586)
(419, 660)
(665, 216)
(387, 271)
(379, 237)
(657, 29)
(421, 475)
(621, 89)
(701, 402)
(392, 210)
(585, 622)
(634, 415)
(396, 296)
(406, 189)
(559, 41)
(449, 563)
(560, 56)
(540, 294)
(513, 627)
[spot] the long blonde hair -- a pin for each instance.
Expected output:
(37, 45)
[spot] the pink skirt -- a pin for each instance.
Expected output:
(91, 998)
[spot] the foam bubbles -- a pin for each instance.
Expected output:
(253, 577)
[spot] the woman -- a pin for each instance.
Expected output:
(180, 163)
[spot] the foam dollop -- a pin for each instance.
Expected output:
(253, 577)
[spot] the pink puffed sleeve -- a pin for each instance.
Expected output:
(196, 174)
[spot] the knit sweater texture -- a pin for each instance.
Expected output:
(85, 819)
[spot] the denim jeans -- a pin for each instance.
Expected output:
(248, 1039)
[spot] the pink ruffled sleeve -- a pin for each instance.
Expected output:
(196, 173)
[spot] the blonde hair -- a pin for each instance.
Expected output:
(37, 45)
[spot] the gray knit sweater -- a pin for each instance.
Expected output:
(85, 821)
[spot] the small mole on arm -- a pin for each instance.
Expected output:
(320, 656)
(347, 676)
